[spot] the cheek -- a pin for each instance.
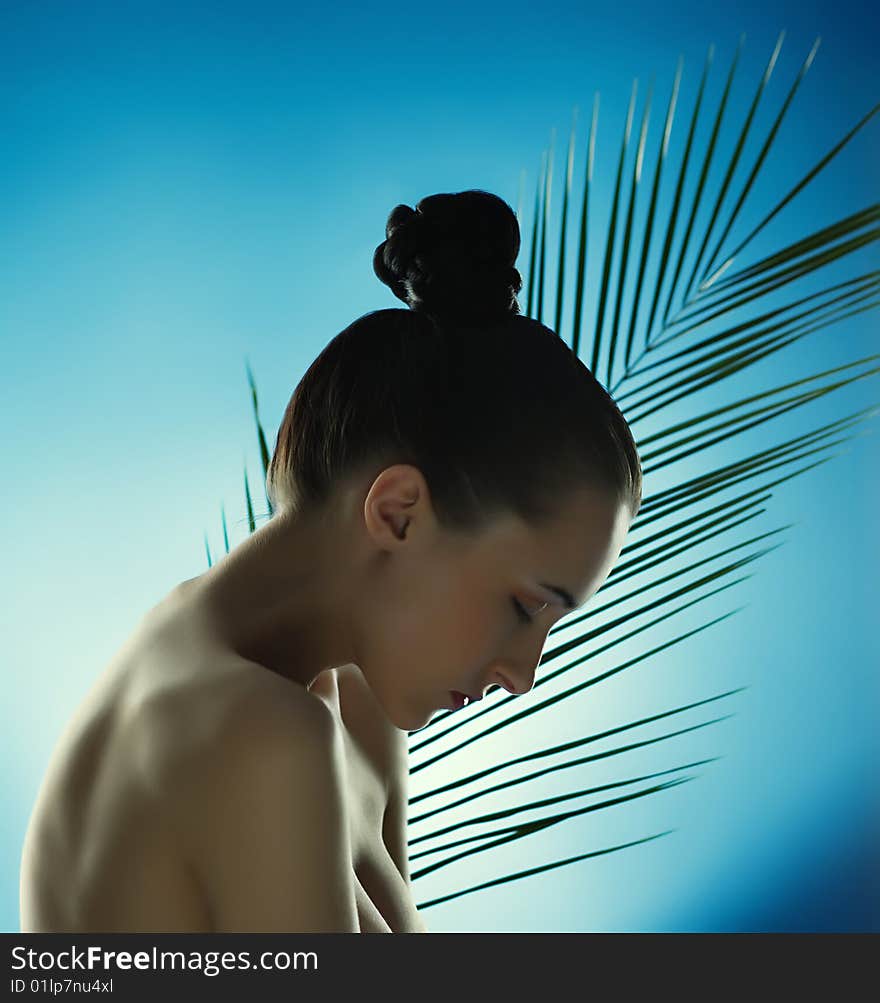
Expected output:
(470, 633)
(445, 631)
(440, 626)
(445, 641)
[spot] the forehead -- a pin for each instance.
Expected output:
(575, 549)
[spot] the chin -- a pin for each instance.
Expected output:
(405, 711)
(412, 722)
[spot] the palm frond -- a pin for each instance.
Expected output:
(646, 378)
(524, 829)
(710, 349)
(528, 872)
(543, 802)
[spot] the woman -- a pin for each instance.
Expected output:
(448, 481)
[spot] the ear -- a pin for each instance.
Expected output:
(397, 504)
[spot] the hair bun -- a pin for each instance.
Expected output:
(453, 256)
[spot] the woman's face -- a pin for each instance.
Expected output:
(444, 613)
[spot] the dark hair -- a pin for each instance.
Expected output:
(493, 407)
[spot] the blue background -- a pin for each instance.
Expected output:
(188, 184)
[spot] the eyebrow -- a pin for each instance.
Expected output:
(563, 595)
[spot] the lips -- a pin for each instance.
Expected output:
(459, 699)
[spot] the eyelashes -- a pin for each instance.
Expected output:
(521, 613)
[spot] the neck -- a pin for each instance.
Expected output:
(283, 597)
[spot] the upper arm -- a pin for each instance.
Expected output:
(389, 747)
(280, 856)
(394, 822)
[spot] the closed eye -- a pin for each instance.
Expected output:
(521, 611)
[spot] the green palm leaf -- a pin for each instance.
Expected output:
(710, 349)
(645, 384)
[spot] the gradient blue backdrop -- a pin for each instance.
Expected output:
(186, 184)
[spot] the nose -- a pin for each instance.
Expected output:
(516, 677)
(516, 688)
(515, 669)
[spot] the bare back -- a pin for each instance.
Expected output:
(126, 806)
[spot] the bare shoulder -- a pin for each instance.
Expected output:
(285, 719)
(273, 851)
(266, 827)
(276, 707)
(229, 723)
(271, 725)
(264, 716)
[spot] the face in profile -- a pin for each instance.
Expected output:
(452, 612)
